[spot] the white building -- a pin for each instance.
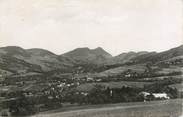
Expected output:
(161, 95)
(145, 94)
(156, 95)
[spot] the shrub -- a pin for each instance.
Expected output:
(22, 105)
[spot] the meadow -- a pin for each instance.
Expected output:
(166, 108)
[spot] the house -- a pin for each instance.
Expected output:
(68, 85)
(148, 95)
(145, 94)
(98, 80)
(83, 93)
(161, 95)
(89, 79)
(128, 75)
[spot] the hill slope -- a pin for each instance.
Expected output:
(16, 59)
(125, 57)
(157, 57)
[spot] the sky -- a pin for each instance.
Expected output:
(115, 25)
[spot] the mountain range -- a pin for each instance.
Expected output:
(15, 59)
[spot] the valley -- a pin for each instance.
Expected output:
(44, 81)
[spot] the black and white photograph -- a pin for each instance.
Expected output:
(91, 58)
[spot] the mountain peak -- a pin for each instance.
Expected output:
(101, 51)
(98, 48)
(85, 54)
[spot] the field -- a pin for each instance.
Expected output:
(139, 68)
(167, 108)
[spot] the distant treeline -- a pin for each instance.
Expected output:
(26, 105)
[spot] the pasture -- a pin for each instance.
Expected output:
(166, 108)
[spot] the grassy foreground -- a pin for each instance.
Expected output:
(167, 108)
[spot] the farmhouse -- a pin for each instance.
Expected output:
(161, 95)
(145, 94)
(155, 95)
(89, 79)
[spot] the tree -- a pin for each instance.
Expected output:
(21, 105)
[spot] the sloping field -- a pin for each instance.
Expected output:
(160, 78)
(140, 68)
(167, 108)
(169, 70)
